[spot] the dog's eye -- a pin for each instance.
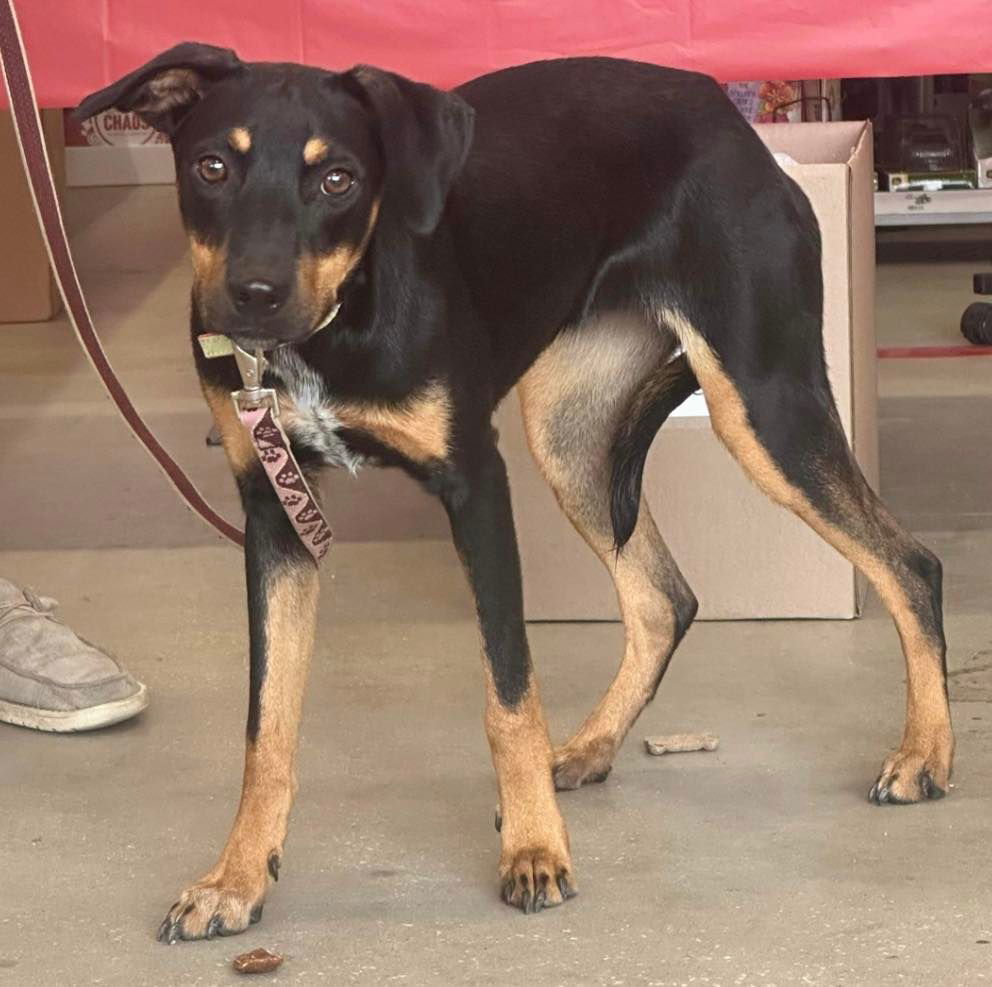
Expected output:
(211, 169)
(337, 182)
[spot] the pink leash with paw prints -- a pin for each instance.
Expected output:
(258, 410)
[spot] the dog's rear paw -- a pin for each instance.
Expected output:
(911, 776)
(210, 909)
(576, 765)
(536, 878)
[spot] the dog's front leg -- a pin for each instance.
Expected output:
(282, 601)
(535, 868)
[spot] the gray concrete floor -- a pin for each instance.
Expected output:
(761, 863)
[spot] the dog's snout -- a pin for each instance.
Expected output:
(258, 297)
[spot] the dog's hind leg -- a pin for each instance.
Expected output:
(574, 400)
(282, 603)
(777, 417)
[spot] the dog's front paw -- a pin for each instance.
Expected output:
(912, 775)
(536, 878)
(213, 907)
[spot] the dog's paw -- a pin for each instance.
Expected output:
(536, 878)
(211, 908)
(578, 764)
(909, 776)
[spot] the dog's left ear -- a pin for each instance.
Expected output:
(425, 135)
(166, 88)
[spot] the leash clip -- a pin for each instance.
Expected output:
(251, 366)
(252, 395)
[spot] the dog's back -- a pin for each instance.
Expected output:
(592, 168)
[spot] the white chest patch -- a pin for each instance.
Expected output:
(306, 409)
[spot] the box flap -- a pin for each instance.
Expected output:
(815, 143)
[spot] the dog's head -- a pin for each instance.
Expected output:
(283, 173)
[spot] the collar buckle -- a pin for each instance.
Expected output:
(252, 395)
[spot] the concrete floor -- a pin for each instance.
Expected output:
(761, 863)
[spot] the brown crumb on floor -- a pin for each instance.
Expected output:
(257, 961)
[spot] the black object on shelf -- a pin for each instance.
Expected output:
(922, 152)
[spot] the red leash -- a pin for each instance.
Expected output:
(27, 127)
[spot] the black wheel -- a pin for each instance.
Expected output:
(976, 323)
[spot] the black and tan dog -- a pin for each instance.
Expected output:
(602, 234)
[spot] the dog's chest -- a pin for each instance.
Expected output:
(307, 411)
(418, 428)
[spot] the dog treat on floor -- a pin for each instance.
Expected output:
(680, 743)
(257, 961)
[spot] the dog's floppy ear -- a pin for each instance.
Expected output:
(165, 89)
(425, 135)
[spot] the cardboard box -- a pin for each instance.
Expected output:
(27, 291)
(744, 556)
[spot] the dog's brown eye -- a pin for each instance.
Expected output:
(337, 182)
(211, 169)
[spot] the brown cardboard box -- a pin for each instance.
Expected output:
(27, 292)
(743, 556)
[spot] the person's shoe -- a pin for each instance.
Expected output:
(51, 679)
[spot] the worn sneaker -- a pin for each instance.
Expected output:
(51, 679)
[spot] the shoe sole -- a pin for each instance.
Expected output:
(74, 720)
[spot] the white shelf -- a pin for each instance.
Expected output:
(957, 206)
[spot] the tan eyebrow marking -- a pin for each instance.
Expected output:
(240, 139)
(315, 150)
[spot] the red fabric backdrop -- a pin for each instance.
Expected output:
(76, 46)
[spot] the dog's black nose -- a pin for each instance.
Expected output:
(257, 297)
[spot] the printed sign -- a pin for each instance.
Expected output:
(111, 129)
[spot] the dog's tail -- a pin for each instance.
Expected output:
(656, 399)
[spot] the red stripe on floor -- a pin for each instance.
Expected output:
(920, 352)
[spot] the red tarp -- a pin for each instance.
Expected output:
(75, 46)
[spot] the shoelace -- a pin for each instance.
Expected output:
(30, 605)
